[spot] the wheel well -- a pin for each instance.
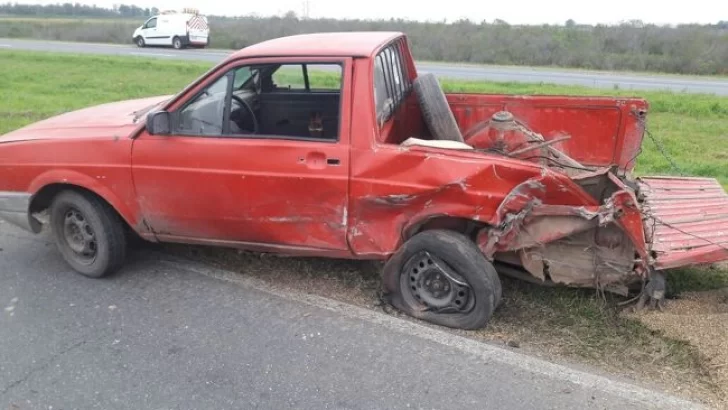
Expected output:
(42, 201)
(468, 227)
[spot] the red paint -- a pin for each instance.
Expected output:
(687, 220)
(289, 196)
(603, 130)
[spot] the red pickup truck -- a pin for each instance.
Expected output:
(333, 145)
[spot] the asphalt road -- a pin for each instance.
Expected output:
(589, 79)
(163, 335)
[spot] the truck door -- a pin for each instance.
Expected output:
(222, 175)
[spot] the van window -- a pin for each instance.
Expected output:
(151, 23)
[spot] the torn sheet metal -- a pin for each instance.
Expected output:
(686, 220)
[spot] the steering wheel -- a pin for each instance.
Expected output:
(250, 110)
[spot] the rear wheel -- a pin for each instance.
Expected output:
(88, 233)
(177, 43)
(441, 277)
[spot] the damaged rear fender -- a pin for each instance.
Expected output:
(550, 212)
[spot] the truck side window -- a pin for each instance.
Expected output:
(324, 77)
(151, 23)
(391, 83)
(291, 100)
(204, 114)
(289, 77)
(321, 77)
(380, 86)
(300, 100)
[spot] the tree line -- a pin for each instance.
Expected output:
(632, 45)
(75, 10)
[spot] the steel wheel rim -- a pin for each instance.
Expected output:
(79, 236)
(428, 282)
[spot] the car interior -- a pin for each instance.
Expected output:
(291, 100)
(302, 100)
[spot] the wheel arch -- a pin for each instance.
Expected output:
(465, 225)
(47, 186)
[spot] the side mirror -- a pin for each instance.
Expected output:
(158, 123)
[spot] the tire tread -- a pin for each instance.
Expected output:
(455, 249)
(435, 109)
(112, 230)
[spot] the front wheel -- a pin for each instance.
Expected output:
(140, 42)
(88, 233)
(443, 278)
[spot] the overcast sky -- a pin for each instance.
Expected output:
(514, 12)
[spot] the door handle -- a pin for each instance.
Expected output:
(318, 160)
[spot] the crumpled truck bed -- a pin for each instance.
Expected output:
(686, 220)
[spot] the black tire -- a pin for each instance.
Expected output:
(177, 43)
(435, 109)
(459, 256)
(105, 226)
(140, 42)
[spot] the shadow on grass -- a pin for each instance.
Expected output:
(696, 280)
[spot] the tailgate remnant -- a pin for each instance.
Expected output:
(686, 220)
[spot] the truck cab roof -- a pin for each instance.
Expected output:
(334, 44)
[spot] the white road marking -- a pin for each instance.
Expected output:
(488, 352)
(6, 46)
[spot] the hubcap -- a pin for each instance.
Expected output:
(79, 236)
(429, 281)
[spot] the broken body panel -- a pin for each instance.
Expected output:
(550, 202)
(543, 182)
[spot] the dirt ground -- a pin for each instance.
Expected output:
(701, 319)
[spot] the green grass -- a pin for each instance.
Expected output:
(567, 322)
(38, 85)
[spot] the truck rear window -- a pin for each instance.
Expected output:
(391, 81)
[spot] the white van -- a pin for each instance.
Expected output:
(176, 29)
